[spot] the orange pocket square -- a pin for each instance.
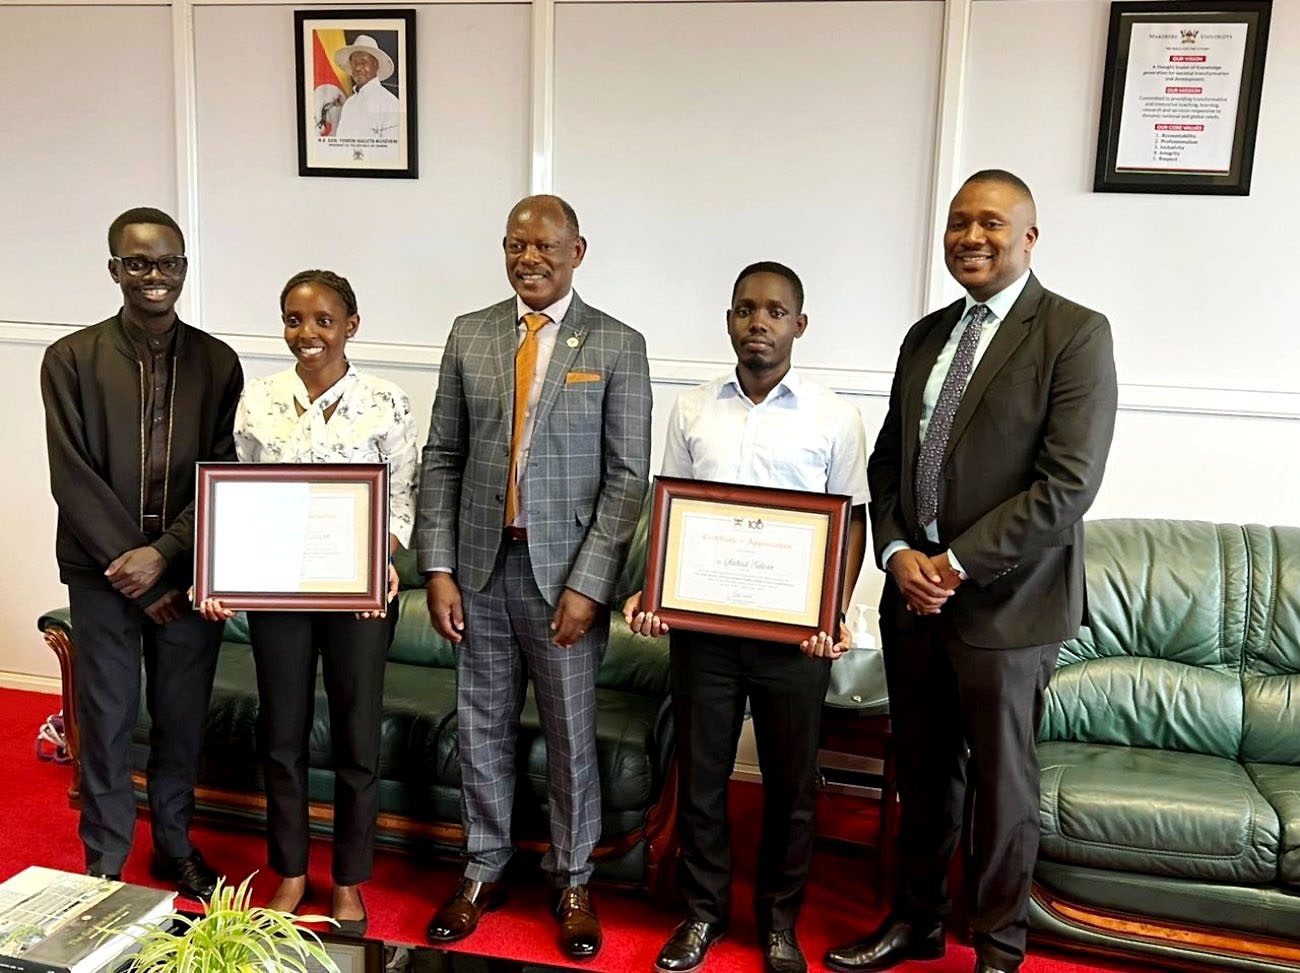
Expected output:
(573, 378)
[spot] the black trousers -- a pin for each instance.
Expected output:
(112, 636)
(353, 652)
(946, 695)
(712, 676)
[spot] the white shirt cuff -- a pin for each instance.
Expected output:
(956, 565)
(890, 550)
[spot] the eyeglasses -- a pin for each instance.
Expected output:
(170, 265)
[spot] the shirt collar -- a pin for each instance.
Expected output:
(555, 312)
(327, 398)
(1000, 304)
(789, 384)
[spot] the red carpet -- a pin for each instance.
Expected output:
(40, 829)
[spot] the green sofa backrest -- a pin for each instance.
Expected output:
(631, 664)
(1160, 664)
(1271, 667)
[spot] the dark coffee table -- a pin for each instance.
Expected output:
(373, 956)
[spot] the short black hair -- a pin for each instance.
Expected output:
(339, 285)
(1002, 177)
(140, 214)
(570, 216)
(771, 267)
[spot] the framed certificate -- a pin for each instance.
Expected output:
(756, 562)
(292, 536)
(1180, 100)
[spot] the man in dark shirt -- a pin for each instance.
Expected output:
(131, 404)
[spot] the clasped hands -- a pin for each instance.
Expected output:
(573, 616)
(820, 646)
(926, 582)
(134, 572)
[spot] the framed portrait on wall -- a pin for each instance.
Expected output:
(356, 93)
(1181, 95)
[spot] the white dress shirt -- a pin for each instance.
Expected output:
(372, 423)
(999, 306)
(546, 336)
(800, 437)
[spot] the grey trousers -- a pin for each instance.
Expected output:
(507, 640)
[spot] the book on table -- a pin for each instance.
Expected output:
(60, 922)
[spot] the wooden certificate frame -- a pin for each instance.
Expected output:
(755, 562)
(292, 536)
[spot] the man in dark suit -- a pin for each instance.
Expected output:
(533, 480)
(999, 423)
(131, 404)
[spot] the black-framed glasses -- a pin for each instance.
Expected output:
(169, 265)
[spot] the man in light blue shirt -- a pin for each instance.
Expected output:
(761, 424)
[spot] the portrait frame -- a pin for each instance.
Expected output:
(292, 536)
(1174, 142)
(343, 130)
(793, 511)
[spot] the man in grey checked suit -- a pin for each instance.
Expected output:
(524, 520)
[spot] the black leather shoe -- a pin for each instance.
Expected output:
(982, 967)
(781, 953)
(892, 943)
(688, 945)
(193, 878)
(111, 876)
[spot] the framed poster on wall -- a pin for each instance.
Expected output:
(1180, 100)
(356, 93)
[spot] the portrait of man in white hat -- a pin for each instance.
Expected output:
(372, 111)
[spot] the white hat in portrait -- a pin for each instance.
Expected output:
(365, 44)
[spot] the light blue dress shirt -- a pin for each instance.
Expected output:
(999, 306)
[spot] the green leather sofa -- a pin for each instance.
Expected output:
(1170, 751)
(419, 762)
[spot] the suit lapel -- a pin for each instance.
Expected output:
(568, 342)
(1010, 334)
(505, 340)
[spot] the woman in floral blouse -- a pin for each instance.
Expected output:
(323, 410)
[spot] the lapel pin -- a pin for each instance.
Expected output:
(574, 339)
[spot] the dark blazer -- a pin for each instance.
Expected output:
(587, 466)
(1023, 463)
(92, 386)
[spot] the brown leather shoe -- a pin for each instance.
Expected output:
(579, 927)
(457, 917)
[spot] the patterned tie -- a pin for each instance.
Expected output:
(930, 460)
(525, 365)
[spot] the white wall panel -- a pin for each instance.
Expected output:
(417, 252)
(86, 131)
(696, 138)
(1200, 289)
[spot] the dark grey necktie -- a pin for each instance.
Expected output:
(930, 460)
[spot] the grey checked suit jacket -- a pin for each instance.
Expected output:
(588, 461)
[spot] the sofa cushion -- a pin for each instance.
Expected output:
(1271, 668)
(1159, 812)
(1159, 664)
(1280, 786)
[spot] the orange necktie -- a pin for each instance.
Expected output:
(525, 365)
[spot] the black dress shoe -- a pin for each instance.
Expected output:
(193, 877)
(982, 967)
(353, 927)
(688, 945)
(892, 943)
(111, 876)
(781, 953)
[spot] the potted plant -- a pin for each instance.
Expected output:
(232, 936)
